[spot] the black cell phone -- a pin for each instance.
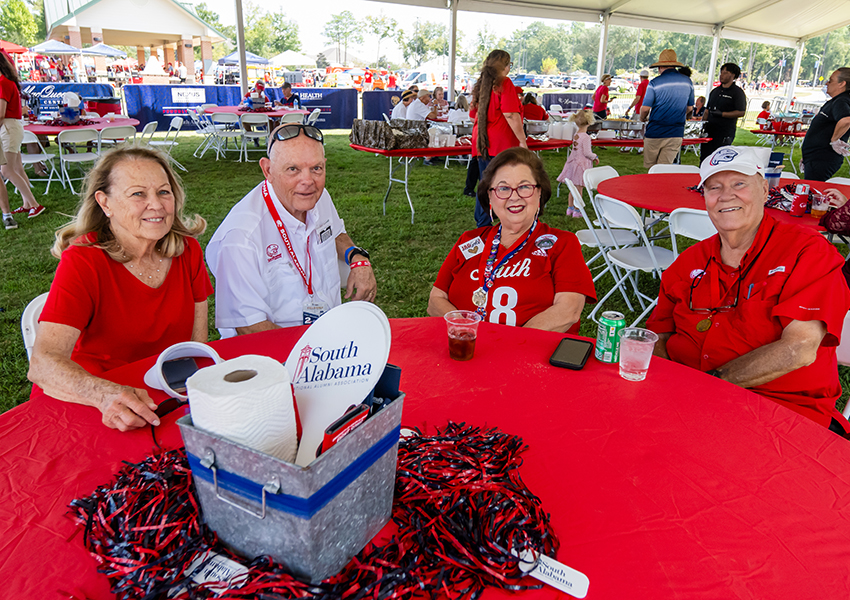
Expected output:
(571, 354)
(177, 371)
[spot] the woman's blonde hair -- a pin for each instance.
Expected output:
(462, 103)
(490, 79)
(90, 217)
(583, 117)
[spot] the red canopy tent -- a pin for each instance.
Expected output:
(12, 48)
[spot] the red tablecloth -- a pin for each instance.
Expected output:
(678, 487)
(665, 192)
(274, 114)
(99, 123)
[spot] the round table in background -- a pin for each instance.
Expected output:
(665, 192)
(99, 123)
(681, 486)
(276, 113)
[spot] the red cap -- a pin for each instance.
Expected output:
(518, 89)
(260, 85)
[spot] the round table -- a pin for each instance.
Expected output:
(665, 192)
(272, 114)
(99, 124)
(679, 486)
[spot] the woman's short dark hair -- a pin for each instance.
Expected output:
(529, 99)
(510, 157)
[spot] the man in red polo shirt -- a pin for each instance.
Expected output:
(762, 303)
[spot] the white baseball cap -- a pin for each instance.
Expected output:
(644, 73)
(740, 159)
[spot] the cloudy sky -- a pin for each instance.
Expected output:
(311, 22)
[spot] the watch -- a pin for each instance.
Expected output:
(355, 250)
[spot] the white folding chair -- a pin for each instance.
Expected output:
(842, 353)
(633, 260)
(259, 130)
(673, 169)
(41, 157)
(839, 180)
(226, 127)
(556, 108)
(110, 136)
(292, 118)
(601, 239)
(205, 128)
(169, 144)
(691, 223)
(789, 176)
(76, 146)
(29, 322)
(147, 133)
(594, 176)
(314, 116)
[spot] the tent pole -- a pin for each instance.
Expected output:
(450, 93)
(712, 66)
(240, 46)
(603, 45)
(801, 44)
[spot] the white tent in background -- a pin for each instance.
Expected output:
(290, 58)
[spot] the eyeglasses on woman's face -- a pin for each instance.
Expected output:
(504, 192)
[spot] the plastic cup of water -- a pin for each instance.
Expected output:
(636, 345)
(463, 331)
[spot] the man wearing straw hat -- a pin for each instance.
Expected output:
(668, 102)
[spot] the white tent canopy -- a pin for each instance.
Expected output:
(290, 58)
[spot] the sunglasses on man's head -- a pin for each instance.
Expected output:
(293, 130)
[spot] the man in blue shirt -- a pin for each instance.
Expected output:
(668, 103)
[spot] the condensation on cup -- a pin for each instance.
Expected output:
(462, 328)
(636, 345)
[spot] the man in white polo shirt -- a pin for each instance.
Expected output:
(421, 109)
(275, 255)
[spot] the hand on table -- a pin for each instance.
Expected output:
(841, 147)
(128, 408)
(361, 279)
(836, 198)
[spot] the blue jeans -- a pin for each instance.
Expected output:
(482, 217)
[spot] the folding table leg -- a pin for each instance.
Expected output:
(389, 187)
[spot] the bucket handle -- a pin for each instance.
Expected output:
(272, 487)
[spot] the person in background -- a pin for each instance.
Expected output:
(762, 303)
(581, 157)
(699, 108)
(367, 80)
(498, 118)
(639, 94)
(825, 144)
(521, 272)
(838, 221)
(765, 110)
(422, 109)
(11, 137)
(400, 109)
(533, 111)
(392, 81)
(440, 103)
(668, 102)
(472, 172)
(460, 113)
(131, 282)
(289, 99)
(726, 104)
(259, 88)
(601, 97)
(182, 72)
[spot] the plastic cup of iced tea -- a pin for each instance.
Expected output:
(463, 330)
(820, 204)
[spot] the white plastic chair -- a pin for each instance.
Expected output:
(231, 130)
(169, 144)
(259, 130)
(292, 118)
(691, 223)
(41, 157)
(83, 142)
(839, 180)
(110, 136)
(314, 116)
(596, 175)
(633, 260)
(789, 176)
(29, 322)
(205, 128)
(673, 169)
(147, 133)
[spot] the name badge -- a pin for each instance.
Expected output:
(472, 248)
(325, 234)
(312, 308)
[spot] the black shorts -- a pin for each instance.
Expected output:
(821, 169)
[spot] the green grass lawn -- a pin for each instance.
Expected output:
(406, 257)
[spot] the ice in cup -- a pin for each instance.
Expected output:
(463, 330)
(820, 204)
(636, 345)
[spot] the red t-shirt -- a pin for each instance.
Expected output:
(499, 132)
(763, 115)
(533, 112)
(122, 320)
(640, 94)
(551, 262)
(598, 105)
(368, 77)
(797, 276)
(12, 95)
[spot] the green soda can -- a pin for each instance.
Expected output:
(608, 336)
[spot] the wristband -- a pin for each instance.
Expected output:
(348, 253)
(360, 263)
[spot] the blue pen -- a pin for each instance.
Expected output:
(749, 291)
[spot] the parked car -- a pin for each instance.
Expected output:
(524, 80)
(622, 85)
(586, 82)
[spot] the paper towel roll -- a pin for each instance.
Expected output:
(247, 400)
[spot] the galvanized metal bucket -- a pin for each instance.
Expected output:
(312, 519)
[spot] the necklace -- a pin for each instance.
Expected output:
(132, 268)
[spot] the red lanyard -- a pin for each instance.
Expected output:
(308, 281)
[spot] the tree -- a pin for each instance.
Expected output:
(485, 41)
(211, 18)
(343, 29)
(381, 27)
(17, 24)
(37, 10)
(428, 40)
(321, 61)
(267, 33)
(550, 66)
